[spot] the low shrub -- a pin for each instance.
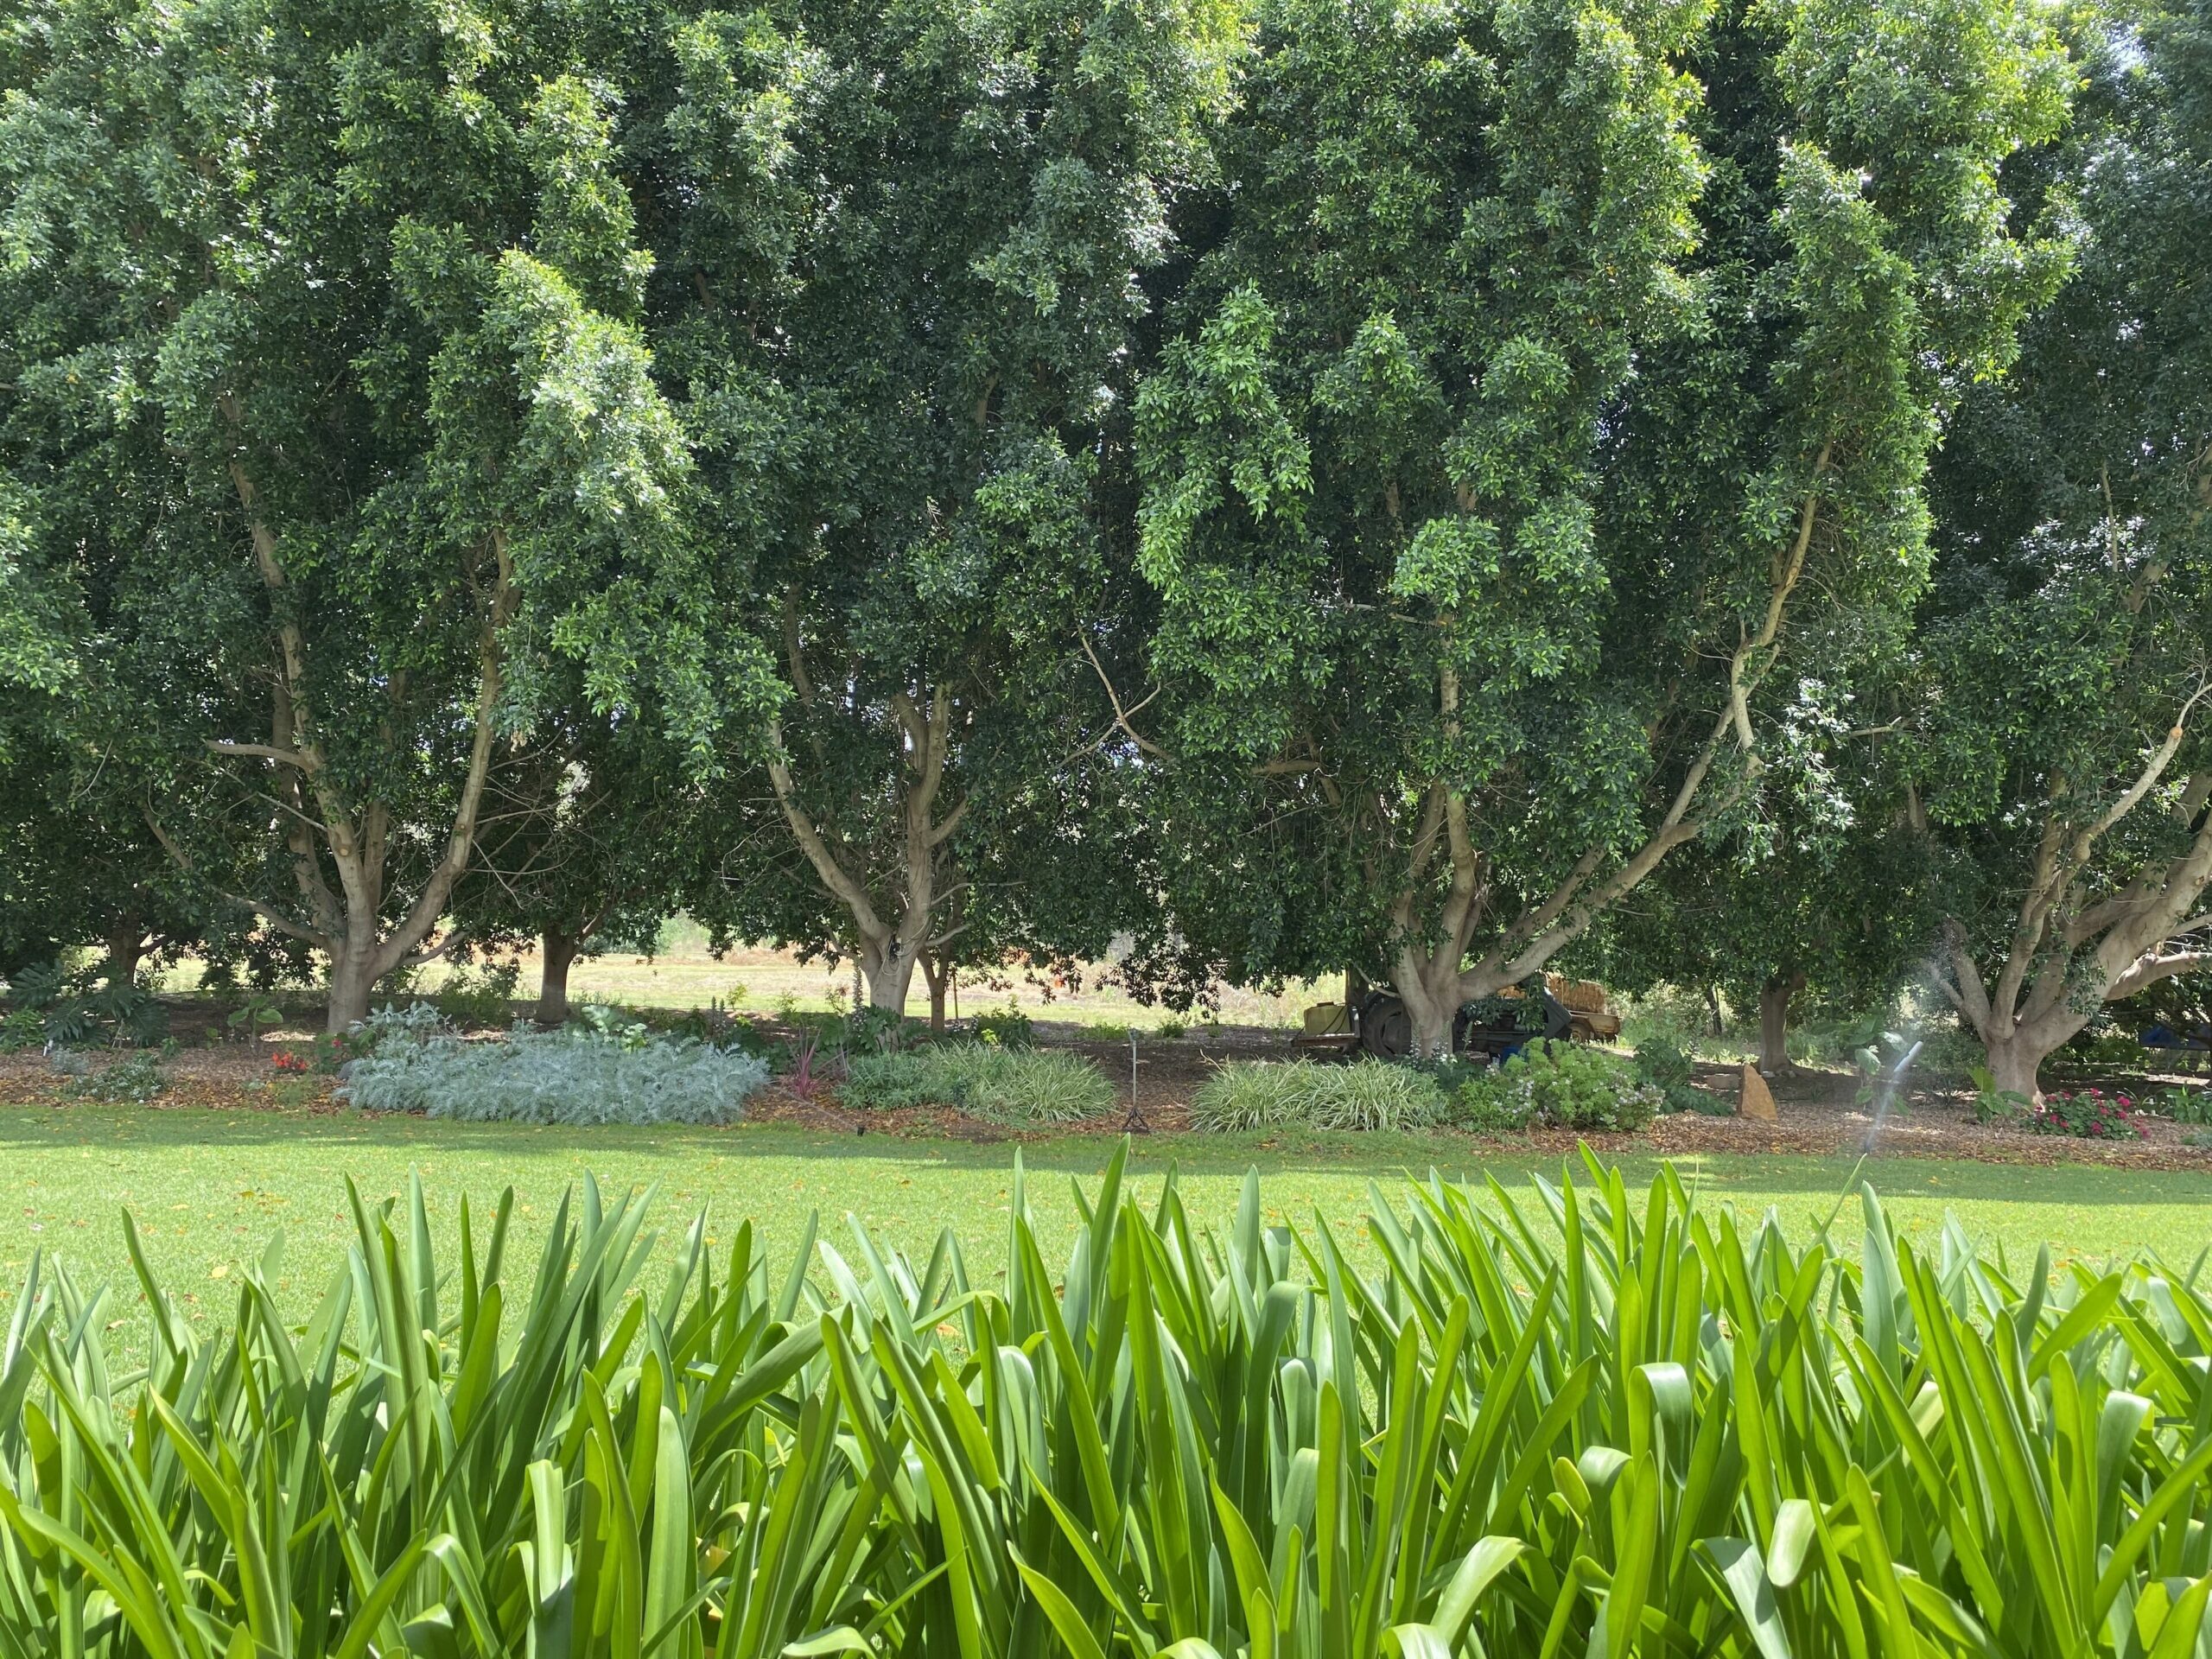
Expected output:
(879, 1031)
(1255, 1095)
(131, 1081)
(1268, 1094)
(324, 1055)
(1105, 1031)
(1007, 1027)
(799, 1061)
(1562, 1086)
(1172, 1029)
(2179, 1104)
(22, 1028)
(72, 1010)
(260, 1011)
(1375, 1095)
(719, 1024)
(1666, 1065)
(2091, 1115)
(565, 1076)
(416, 1023)
(1995, 1105)
(481, 996)
(611, 1022)
(1003, 1085)
(1676, 1015)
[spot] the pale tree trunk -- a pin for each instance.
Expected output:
(893, 937)
(1425, 965)
(558, 949)
(1774, 1023)
(890, 972)
(353, 979)
(324, 822)
(2016, 1064)
(938, 972)
(2063, 957)
(1427, 982)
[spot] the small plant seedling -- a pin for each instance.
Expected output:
(253, 1017)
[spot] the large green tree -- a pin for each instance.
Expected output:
(907, 347)
(1541, 361)
(321, 379)
(2067, 640)
(1826, 894)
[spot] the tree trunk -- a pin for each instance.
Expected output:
(352, 978)
(1712, 1004)
(2014, 1063)
(558, 951)
(126, 945)
(1774, 1023)
(889, 973)
(939, 978)
(1427, 982)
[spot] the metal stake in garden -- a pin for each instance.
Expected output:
(1135, 1124)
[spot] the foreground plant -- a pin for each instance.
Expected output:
(1586, 1426)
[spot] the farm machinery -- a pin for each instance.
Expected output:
(1372, 1020)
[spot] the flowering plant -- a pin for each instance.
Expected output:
(287, 1061)
(2092, 1115)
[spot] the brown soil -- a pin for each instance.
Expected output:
(1820, 1112)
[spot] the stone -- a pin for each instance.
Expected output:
(1753, 1097)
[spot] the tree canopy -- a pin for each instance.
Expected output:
(1249, 488)
(2066, 642)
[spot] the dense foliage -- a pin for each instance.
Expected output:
(2066, 760)
(1560, 1086)
(1601, 1425)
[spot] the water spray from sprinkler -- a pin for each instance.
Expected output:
(1887, 1081)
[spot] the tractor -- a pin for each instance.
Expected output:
(1372, 1020)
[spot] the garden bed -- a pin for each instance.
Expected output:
(1820, 1111)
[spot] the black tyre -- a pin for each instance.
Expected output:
(1386, 1030)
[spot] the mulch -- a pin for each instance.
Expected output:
(1818, 1112)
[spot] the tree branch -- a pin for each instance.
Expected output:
(430, 903)
(264, 752)
(1122, 716)
(841, 883)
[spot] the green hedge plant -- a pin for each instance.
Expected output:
(1010, 1086)
(1559, 1085)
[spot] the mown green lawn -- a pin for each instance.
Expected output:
(208, 1188)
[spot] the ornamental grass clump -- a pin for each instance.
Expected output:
(1008, 1086)
(1255, 1095)
(567, 1077)
(1269, 1094)
(1597, 1421)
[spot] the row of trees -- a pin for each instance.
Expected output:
(1280, 485)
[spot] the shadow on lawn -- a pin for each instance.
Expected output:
(1744, 1176)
